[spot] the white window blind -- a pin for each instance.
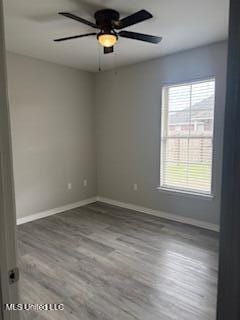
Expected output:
(187, 136)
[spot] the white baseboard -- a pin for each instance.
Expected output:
(51, 212)
(161, 214)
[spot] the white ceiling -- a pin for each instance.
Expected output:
(31, 25)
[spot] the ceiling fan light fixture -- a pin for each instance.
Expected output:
(107, 39)
(108, 21)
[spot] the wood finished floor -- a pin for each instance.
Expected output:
(108, 263)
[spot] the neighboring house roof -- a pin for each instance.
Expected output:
(200, 111)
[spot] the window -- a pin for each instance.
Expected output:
(187, 136)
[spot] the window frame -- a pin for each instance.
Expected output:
(180, 190)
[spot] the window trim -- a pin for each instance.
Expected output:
(185, 191)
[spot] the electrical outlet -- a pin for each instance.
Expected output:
(85, 182)
(135, 187)
(69, 186)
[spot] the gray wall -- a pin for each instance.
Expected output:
(128, 130)
(53, 132)
(69, 125)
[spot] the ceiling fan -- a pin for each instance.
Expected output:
(108, 21)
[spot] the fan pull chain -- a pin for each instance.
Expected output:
(99, 59)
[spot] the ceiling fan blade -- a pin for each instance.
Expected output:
(75, 37)
(135, 18)
(74, 17)
(140, 36)
(107, 50)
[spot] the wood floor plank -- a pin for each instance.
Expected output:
(108, 263)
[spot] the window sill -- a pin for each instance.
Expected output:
(187, 194)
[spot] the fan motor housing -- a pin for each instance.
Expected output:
(105, 17)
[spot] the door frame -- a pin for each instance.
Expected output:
(8, 292)
(229, 262)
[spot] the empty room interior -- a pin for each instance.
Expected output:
(117, 122)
